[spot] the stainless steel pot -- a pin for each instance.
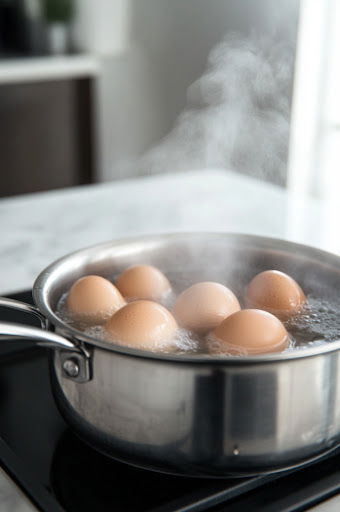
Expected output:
(192, 414)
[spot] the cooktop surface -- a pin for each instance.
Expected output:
(59, 472)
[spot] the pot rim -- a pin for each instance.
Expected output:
(323, 258)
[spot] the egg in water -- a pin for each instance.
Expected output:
(143, 282)
(93, 299)
(275, 292)
(248, 332)
(203, 306)
(142, 324)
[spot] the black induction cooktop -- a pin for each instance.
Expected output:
(59, 472)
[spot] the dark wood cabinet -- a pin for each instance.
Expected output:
(46, 135)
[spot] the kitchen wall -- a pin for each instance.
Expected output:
(163, 48)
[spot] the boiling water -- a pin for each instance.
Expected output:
(318, 323)
(183, 342)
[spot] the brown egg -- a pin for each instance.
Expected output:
(247, 332)
(203, 306)
(275, 292)
(93, 299)
(142, 324)
(143, 282)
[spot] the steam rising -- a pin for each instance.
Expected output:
(238, 114)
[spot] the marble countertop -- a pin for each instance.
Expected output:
(39, 228)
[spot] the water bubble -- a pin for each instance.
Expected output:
(186, 341)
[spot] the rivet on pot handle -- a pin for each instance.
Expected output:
(74, 359)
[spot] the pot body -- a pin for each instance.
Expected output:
(199, 416)
(204, 419)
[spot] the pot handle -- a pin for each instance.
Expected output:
(26, 308)
(74, 359)
(42, 338)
